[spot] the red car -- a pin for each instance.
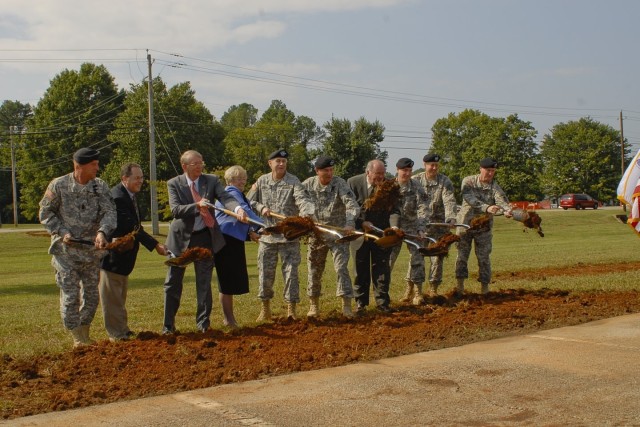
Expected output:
(578, 201)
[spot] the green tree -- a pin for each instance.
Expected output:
(353, 145)
(582, 157)
(466, 138)
(77, 110)
(13, 115)
(181, 123)
(239, 117)
(277, 128)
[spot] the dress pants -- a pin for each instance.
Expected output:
(113, 297)
(173, 286)
(372, 264)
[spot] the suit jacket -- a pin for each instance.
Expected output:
(380, 219)
(123, 263)
(185, 210)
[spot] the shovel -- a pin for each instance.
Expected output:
(294, 227)
(392, 239)
(235, 215)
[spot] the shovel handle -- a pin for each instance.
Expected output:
(82, 241)
(235, 215)
(277, 215)
(446, 224)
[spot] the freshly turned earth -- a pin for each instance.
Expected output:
(153, 364)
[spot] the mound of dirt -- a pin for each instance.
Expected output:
(153, 364)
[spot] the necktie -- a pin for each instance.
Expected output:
(135, 207)
(206, 215)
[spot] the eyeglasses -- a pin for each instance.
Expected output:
(196, 164)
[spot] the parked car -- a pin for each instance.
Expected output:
(578, 201)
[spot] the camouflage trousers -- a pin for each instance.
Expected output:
(268, 260)
(415, 272)
(78, 283)
(316, 261)
(482, 245)
(435, 271)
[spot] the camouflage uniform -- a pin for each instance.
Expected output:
(414, 210)
(287, 197)
(337, 206)
(476, 198)
(82, 211)
(442, 206)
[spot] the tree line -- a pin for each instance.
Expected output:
(85, 107)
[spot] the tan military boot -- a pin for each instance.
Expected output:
(265, 313)
(346, 307)
(418, 298)
(78, 338)
(408, 292)
(291, 311)
(85, 334)
(460, 287)
(433, 289)
(314, 307)
(485, 289)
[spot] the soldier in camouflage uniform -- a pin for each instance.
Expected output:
(279, 192)
(335, 205)
(480, 194)
(413, 215)
(442, 206)
(79, 207)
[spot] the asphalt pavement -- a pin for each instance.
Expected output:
(582, 375)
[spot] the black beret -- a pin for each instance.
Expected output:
(278, 153)
(324, 162)
(428, 158)
(404, 163)
(85, 155)
(488, 162)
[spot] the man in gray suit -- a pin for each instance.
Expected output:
(372, 262)
(194, 225)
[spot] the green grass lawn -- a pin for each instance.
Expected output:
(30, 316)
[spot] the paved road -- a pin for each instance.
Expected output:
(580, 376)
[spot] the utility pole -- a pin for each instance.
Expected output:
(621, 145)
(152, 156)
(12, 131)
(624, 206)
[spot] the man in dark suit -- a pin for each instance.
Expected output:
(116, 266)
(193, 226)
(372, 261)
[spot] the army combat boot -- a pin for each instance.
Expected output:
(291, 311)
(314, 307)
(484, 289)
(78, 338)
(265, 313)
(346, 307)
(433, 289)
(408, 292)
(418, 298)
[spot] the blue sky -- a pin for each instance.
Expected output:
(406, 63)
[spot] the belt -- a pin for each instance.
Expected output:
(202, 230)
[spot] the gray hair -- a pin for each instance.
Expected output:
(233, 173)
(188, 155)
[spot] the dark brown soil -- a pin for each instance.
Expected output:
(152, 364)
